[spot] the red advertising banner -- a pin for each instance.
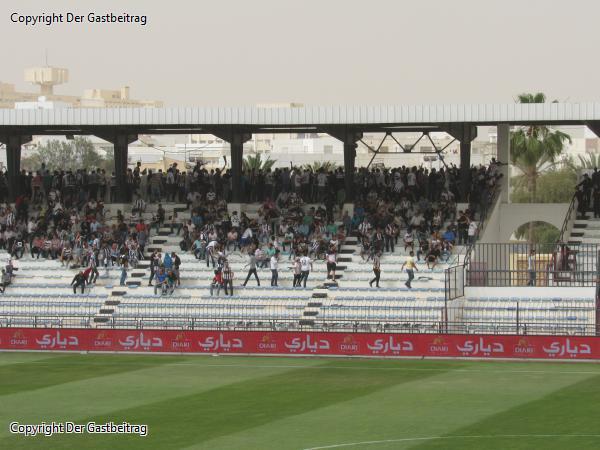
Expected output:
(299, 343)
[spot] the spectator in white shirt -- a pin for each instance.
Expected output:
(246, 238)
(235, 220)
(306, 265)
(274, 265)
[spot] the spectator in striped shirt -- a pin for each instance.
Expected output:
(376, 270)
(93, 263)
(228, 276)
(66, 255)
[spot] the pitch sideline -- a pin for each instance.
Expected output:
(432, 438)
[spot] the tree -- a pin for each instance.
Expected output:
(73, 154)
(108, 162)
(54, 154)
(541, 234)
(534, 149)
(589, 161)
(553, 186)
(327, 166)
(86, 154)
(255, 162)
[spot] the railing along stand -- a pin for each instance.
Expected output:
(598, 294)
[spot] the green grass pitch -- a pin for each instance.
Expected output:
(203, 402)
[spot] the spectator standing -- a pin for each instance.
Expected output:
(228, 278)
(463, 227)
(66, 255)
(274, 265)
(123, 272)
(93, 265)
(217, 282)
(596, 202)
(331, 258)
(409, 240)
(531, 268)
(410, 268)
(390, 237)
(168, 261)
(472, 231)
(176, 263)
(297, 272)
(306, 265)
(154, 263)
(160, 217)
(251, 269)
(376, 270)
(5, 280)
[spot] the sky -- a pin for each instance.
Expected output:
(244, 52)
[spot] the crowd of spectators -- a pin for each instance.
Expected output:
(415, 204)
(283, 185)
(61, 215)
(587, 192)
(80, 236)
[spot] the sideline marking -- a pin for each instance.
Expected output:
(431, 438)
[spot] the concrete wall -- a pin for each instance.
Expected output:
(507, 217)
(491, 232)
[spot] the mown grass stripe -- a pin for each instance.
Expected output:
(7, 358)
(432, 406)
(572, 410)
(29, 376)
(77, 400)
(183, 421)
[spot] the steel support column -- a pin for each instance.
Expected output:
(350, 138)
(464, 133)
(13, 144)
(236, 138)
(237, 158)
(465, 169)
(120, 142)
(503, 156)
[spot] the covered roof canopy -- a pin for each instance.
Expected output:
(256, 119)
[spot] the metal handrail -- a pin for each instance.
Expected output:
(565, 224)
(513, 326)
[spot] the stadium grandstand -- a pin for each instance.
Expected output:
(352, 250)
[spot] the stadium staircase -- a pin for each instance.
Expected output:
(582, 234)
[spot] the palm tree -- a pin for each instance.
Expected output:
(315, 166)
(256, 163)
(589, 161)
(544, 235)
(533, 150)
